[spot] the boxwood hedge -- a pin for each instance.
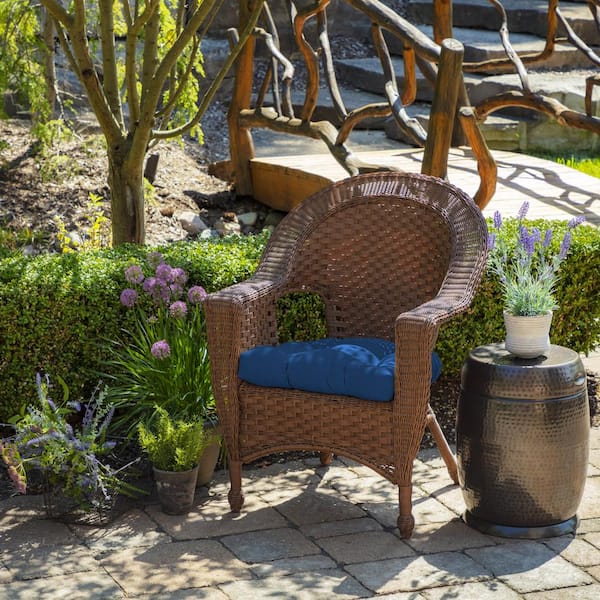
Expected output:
(55, 310)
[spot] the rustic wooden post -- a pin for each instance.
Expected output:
(241, 146)
(443, 109)
(442, 20)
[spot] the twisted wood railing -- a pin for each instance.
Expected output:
(440, 61)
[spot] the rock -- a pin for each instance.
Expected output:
(208, 234)
(75, 239)
(223, 227)
(167, 211)
(191, 222)
(273, 219)
(29, 250)
(248, 219)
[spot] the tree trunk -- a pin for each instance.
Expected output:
(49, 32)
(126, 182)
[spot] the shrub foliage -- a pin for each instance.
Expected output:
(56, 309)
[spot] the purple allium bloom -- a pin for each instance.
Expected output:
(565, 245)
(149, 285)
(523, 210)
(197, 294)
(497, 219)
(491, 241)
(154, 259)
(128, 297)
(161, 292)
(160, 349)
(547, 238)
(179, 276)
(576, 221)
(164, 272)
(178, 309)
(134, 274)
(176, 290)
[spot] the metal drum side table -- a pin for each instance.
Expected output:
(522, 441)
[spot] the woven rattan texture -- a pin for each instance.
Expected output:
(393, 256)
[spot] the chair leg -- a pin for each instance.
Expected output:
(406, 521)
(235, 496)
(442, 444)
(325, 457)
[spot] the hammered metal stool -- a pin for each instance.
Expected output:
(522, 441)
(393, 256)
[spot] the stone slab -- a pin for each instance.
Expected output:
(418, 573)
(528, 566)
(167, 567)
(365, 546)
(17, 533)
(479, 590)
(332, 528)
(287, 566)
(588, 592)
(333, 584)
(272, 544)
(446, 537)
(577, 551)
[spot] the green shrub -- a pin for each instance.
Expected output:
(56, 309)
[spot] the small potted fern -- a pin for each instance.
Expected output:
(173, 446)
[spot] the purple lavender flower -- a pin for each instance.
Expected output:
(134, 274)
(154, 259)
(491, 241)
(164, 272)
(497, 220)
(197, 294)
(523, 210)
(565, 245)
(547, 238)
(178, 309)
(160, 349)
(536, 234)
(526, 240)
(179, 276)
(575, 221)
(128, 297)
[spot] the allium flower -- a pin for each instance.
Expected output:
(149, 285)
(179, 276)
(164, 272)
(154, 259)
(176, 291)
(160, 349)
(178, 309)
(134, 274)
(197, 294)
(128, 297)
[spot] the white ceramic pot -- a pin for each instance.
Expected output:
(527, 337)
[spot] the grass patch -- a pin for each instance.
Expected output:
(588, 164)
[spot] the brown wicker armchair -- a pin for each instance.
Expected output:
(393, 256)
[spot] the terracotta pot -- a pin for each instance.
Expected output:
(176, 490)
(527, 337)
(209, 457)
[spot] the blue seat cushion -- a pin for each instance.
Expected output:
(359, 367)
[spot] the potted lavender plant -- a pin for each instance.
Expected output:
(67, 447)
(528, 271)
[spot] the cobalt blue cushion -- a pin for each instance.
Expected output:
(359, 367)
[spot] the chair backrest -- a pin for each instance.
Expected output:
(376, 245)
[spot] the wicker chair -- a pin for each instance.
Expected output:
(393, 256)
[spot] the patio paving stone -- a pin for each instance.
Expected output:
(287, 566)
(131, 530)
(479, 590)
(430, 538)
(333, 584)
(418, 573)
(178, 565)
(48, 561)
(577, 551)
(589, 592)
(272, 544)
(96, 585)
(528, 566)
(332, 528)
(18, 533)
(216, 519)
(366, 546)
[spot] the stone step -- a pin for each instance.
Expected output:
(523, 17)
(483, 44)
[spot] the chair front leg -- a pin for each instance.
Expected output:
(235, 496)
(406, 521)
